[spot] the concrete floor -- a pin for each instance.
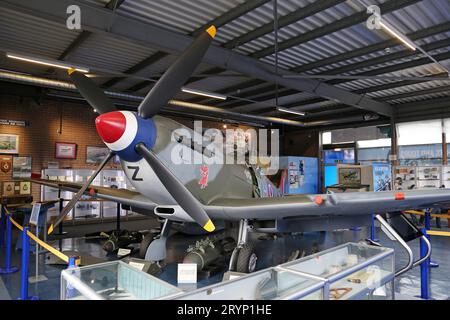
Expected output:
(270, 252)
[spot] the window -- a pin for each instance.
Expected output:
(419, 132)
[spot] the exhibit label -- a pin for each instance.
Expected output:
(17, 123)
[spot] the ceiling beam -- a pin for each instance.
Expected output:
(84, 35)
(397, 84)
(388, 69)
(415, 93)
(340, 24)
(283, 21)
(75, 44)
(114, 4)
(397, 67)
(98, 20)
(424, 33)
(158, 55)
(387, 58)
(221, 20)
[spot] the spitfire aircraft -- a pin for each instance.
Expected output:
(210, 195)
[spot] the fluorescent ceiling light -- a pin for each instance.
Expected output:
(399, 36)
(46, 62)
(204, 93)
(299, 113)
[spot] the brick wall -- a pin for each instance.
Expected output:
(38, 139)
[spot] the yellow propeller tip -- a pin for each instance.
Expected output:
(209, 226)
(212, 31)
(50, 230)
(70, 71)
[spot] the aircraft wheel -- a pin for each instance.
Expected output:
(144, 244)
(246, 261)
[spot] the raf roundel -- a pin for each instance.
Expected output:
(123, 130)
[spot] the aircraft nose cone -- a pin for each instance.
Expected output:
(111, 126)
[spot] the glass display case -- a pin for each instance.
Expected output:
(446, 176)
(114, 280)
(421, 177)
(429, 177)
(269, 284)
(353, 271)
(85, 208)
(113, 179)
(48, 193)
(405, 178)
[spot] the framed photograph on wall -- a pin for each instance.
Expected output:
(65, 150)
(9, 143)
(95, 155)
(21, 167)
(5, 164)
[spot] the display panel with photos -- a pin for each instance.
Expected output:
(339, 155)
(5, 164)
(65, 150)
(21, 167)
(95, 155)
(16, 188)
(349, 176)
(9, 143)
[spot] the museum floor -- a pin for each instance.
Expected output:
(270, 252)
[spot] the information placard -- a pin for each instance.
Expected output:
(187, 273)
(34, 218)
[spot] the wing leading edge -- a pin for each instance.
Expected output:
(315, 205)
(339, 204)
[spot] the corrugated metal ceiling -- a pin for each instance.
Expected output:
(26, 34)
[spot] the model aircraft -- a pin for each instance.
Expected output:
(227, 192)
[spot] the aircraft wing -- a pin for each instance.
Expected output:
(124, 196)
(338, 204)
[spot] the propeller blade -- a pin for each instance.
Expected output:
(176, 189)
(91, 92)
(80, 192)
(176, 76)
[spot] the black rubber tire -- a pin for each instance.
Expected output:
(243, 260)
(144, 244)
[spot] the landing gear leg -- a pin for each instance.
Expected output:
(243, 259)
(157, 249)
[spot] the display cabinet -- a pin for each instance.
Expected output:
(428, 177)
(85, 208)
(48, 193)
(114, 280)
(422, 177)
(353, 271)
(269, 284)
(446, 176)
(113, 179)
(405, 178)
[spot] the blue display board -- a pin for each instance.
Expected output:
(381, 176)
(302, 174)
(339, 156)
(331, 175)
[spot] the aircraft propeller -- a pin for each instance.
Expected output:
(164, 90)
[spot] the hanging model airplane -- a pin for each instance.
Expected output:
(228, 192)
